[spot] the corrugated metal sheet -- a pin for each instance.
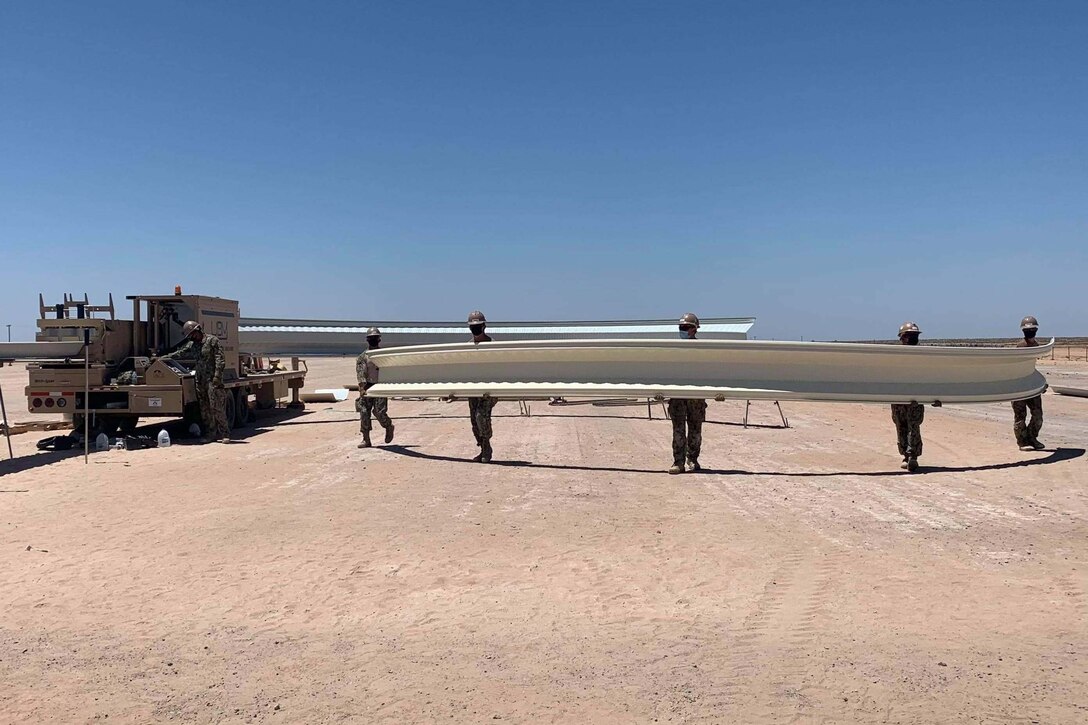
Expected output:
(507, 330)
(337, 337)
(746, 370)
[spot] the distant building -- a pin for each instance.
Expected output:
(333, 337)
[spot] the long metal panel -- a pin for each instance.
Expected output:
(40, 350)
(712, 369)
(332, 337)
(741, 323)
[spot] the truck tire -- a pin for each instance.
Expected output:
(241, 407)
(192, 415)
(107, 424)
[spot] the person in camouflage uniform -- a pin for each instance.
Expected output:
(908, 417)
(379, 407)
(1027, 433)
(479, 409)
(687, 416)
(204, 355)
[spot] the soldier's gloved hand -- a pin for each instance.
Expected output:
(937, 404)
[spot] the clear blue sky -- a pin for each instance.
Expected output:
(832, 168)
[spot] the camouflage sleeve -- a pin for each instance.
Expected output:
(220, 362)
(363, 370)
(185, 352)
(360, 370)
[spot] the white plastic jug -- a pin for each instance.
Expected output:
(102, 442)
(164, 439)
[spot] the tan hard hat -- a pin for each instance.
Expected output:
(190, 327)
(908, 327)
(477, 318)
(1029, 323)
(373, 332)
(689, 318)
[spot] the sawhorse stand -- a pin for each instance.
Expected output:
(748, 404)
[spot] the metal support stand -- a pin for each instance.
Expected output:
(4, 411)
(523, 407)
(650, 407)
(782, 415)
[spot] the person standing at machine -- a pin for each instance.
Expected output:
(364, 371)
(687, 415)
(479, 409)
(1027, 432)
(205, 354)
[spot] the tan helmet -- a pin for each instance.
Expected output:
(190, 327)
(1029, 323)
(477, 318)
(689, 318)
(373, 332)
(908, 327)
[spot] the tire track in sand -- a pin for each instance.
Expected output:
(771, 674)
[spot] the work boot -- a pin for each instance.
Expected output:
(693, 466)
(1037, 445)
(478, 458)
(912, 464)
(903, 465)
(389, 434)
(1028, 447)
(485, 454)
(676, 468)
(366, 440)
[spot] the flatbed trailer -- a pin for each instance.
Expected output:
(114, 373)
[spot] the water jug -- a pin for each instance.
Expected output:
(102, 442)
(164, 439)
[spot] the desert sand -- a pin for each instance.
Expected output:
(291, 577)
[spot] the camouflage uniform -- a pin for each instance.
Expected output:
(365, 405)
(479, 412)
(129, 377)
(687, 429)
(209, 388)
(908, 419)
(187, 354)
(1027, 434)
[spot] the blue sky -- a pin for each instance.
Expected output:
(832, 168)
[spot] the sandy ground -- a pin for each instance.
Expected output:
(290, 577)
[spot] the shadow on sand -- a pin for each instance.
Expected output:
(263, 422)
(1057, 456)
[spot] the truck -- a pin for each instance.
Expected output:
(108, 373)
